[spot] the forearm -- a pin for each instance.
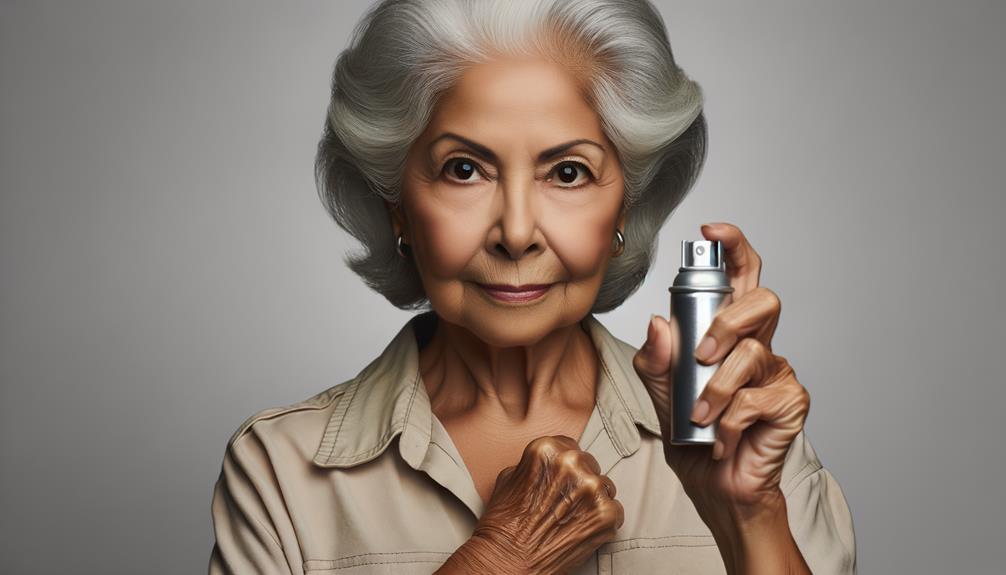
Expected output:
(757, 541)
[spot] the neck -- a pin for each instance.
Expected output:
(463, 374)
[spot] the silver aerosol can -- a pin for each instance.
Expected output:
(700, 289)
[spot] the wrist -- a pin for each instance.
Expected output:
(755, 539)
(765, 544)
(476, 556)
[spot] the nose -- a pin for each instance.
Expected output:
(516, 233)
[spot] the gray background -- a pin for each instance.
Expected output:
(168, 269)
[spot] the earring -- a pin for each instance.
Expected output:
(619, 244)
(400, 246)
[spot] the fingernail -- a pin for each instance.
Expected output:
(706, 348)
(700, 411)
(718, 449)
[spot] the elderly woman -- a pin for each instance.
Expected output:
(507, 165)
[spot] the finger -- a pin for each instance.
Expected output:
(743, 262)
(749, 363)
(589, 492)
(567, 467)
(566, 441)
(655, 359)
(590, 487)
(785, 406)
(558, 504)
(563, 503)
(542, 450)
(754, 314)
(609, 487)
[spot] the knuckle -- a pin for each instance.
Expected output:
(590, 485)
(729, 426)
(565, 440)
(568, 460)
(589, 461)
(773, 298)
(543, 446)
(715, 393)
(804, 396)
(746, 396)
(752, 346)
(611, 512)
(609, 486)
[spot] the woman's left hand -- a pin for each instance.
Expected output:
(760, 405)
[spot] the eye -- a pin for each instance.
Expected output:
(568, 171)
(460, 169)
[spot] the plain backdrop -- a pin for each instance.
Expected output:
(168, 270)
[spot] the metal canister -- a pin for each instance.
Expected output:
(700, 289)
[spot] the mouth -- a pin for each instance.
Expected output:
(515, 294)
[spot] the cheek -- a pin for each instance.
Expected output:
(581, 239)
(444, 244)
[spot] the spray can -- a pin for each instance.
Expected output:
(700, 289)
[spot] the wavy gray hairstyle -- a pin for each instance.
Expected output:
(404, 54)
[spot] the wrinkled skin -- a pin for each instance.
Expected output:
(546, 515)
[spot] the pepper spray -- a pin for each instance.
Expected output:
(700, 289)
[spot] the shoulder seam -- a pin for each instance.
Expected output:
(272, 412)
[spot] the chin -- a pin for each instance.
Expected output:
(499, 330)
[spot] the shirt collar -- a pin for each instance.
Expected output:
(388, 398)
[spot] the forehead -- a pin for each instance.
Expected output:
(512, 93)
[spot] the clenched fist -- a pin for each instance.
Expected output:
(546, 515)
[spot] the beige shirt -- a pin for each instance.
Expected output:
(363, 479)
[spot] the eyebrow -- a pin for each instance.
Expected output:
(487, 153)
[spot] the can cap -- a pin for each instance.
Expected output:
(702, 254)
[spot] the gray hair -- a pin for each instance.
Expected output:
(404, 54)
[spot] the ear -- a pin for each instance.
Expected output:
(620, 224)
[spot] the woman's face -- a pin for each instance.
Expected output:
(512, 184)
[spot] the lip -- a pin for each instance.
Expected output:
(516, 294)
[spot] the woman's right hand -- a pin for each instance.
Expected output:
(547, 514)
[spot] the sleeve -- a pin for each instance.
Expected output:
(246, 509)
(818, 513)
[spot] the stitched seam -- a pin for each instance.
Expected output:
(323, 569)
(637, 415)
(594, 439)
(621, 446)
(338, 430)
(333, 565)
(340, 559)
(664, 546)
(382, 444)
(618, 393)
(682, 536)
(247, 425)
(396, 426)
(412, 399)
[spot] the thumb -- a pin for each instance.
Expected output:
(655, 359)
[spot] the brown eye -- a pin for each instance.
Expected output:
(460, 169)
(567, 173)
